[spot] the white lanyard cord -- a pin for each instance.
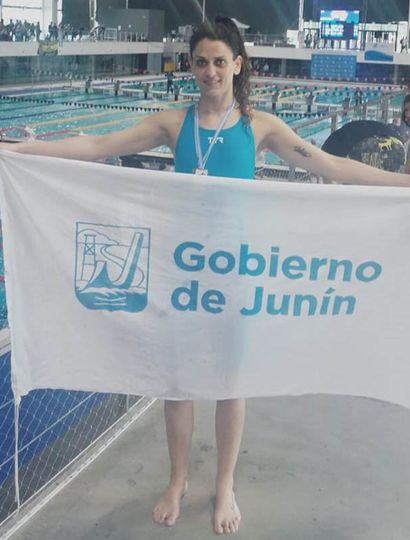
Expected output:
(202, 160)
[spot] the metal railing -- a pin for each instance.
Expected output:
(385, 109)
(60, 433)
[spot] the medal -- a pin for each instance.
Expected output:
(201, 172)
(200, 169)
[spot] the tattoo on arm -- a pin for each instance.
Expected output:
(302, 151)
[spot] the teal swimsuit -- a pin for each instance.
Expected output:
(233, 154)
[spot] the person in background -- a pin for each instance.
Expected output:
(60, 34)
(87, 85)
(170, 82)
(176, 91)
(116, 87)
(145, 89)
(358, 96)
(275, 99)
(346, 104)
(265, 69)
(308, 40)
(309, 102)
(38, 31)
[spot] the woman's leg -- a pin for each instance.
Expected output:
(229, 420)
(179, 422)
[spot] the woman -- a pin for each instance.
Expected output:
(219, 137)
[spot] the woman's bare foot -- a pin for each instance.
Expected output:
(167, 509)
(227, 516)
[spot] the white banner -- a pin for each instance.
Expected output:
(170, 285)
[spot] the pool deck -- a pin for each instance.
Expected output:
(310, 468)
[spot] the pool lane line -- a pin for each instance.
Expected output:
(82, 128)
(68, 96)
(58, 104)
(56, 132)
(141, 110)
(88, 105)
(111, 111)
(34, 114)
(83, 105)
(91, 126)
(72, 118)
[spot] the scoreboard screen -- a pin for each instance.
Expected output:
(339, 24)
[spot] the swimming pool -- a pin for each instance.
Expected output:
(59, 113)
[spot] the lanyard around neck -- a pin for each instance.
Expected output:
(202, 160)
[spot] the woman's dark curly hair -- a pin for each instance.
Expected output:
(224, 29)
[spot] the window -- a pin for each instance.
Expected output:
(23, 4)
(27, 10)
(22, 14)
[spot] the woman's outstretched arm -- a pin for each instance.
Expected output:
(152, 131)
(283, 141)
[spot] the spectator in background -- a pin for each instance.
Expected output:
(176, 91)
(11, 30)
(60, 34)
(116, 87)
(37, 31)
(88, 85)
(145, 89)
(275, 99)
(309, 102)
(346, 105)
(19, 31)
(170, 82)
(358, 97)
(52, 32)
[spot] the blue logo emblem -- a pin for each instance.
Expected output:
(111, 270)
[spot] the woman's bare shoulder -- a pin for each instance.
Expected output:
(265, 125)
(265, 119)
(171, 116)
(169, 122)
